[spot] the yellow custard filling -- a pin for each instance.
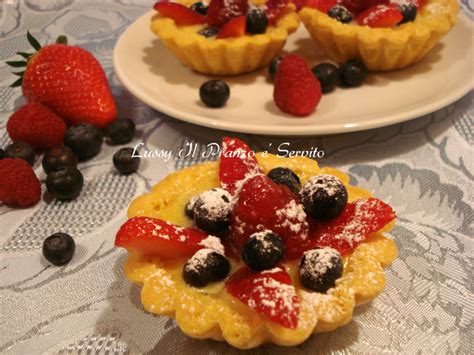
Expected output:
(210, 312)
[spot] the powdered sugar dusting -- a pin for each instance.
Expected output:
(218, 203)
(293, 216)
(213, 243)
(320, 302)
(355, 230)
(277, 296)
(323, 182)
(318, 261)
(198, 259)
(380, 10)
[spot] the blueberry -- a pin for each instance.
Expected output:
(200, 8)
(189, 208)
(204, 267)
(328, 76)
(59, 248)
(263, 250)
(320, 268)
(58, 157)
(340, 13)
(409, 12)
(84, 139)
(214, 93)
(323, 197)
(287, 177)
(121, 131)
(353, 73)
(209, 32)
(21, 150)
(273, 67)
(65, 183)
(2, 154)
(256, 21)
(212, 210)
(125, 162)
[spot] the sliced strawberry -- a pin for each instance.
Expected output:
(233, 28)
(269, 292)
(220, 12)
(237, 163)
(380, 16)
(155, 237)
(356, 6)
(359, 220)
(321, 5)
(262, 205)
(299, 4)
(274, 8)
(182, 15)
(418, 3)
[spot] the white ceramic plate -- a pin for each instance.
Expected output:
(151, 73)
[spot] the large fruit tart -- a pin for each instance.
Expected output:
(256, 248)
(226, 36)
(385, 34)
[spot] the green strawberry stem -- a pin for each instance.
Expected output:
(33, 41)
(27, 56)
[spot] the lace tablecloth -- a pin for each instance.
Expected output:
(423, 168)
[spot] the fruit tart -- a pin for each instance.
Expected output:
(255, 248)
(385, 34)
(225, 37)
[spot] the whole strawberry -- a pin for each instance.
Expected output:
(69, 80)
(36, 125)
(19, 185)
(296, 91)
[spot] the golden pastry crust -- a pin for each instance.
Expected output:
(228, 56)
(383, 48)
(211, 312)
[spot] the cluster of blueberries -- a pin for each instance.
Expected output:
(323, 197)
(64, 181)
(215, 93)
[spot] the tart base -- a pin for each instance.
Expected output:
(210, 312)
(230, 56)
(382, 49)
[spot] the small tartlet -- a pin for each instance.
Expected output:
(210, 312)
(382, 49)
(230, 56)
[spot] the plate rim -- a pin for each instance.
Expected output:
(312, 130)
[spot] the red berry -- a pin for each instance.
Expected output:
(233, 28)
(359, 220)
(296, 91)
(265, 205)
(155, 237)
(220, 12)
(36, 125)
(299, 4)
(321, 5)
(19, 185)
(182, 15)
(71, 82)
(269, 292)
(356, 6)
(380, 16)
(237, 163)
(274, 8)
